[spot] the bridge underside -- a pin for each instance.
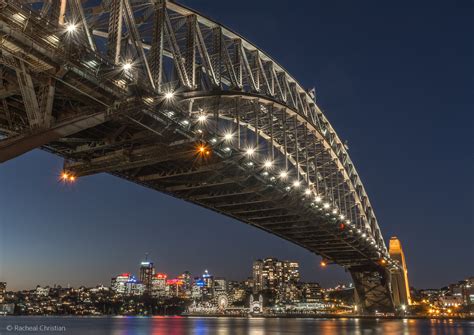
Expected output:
(79, 103)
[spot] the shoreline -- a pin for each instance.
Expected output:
(265, 316)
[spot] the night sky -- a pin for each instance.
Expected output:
(395, 78)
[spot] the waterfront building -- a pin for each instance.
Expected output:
(271, 274)
(311, 292)
(279, 277)
(3, 290)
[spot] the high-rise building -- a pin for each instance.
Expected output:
(399, 279)
(208, 288)
(127, 284)
(119, 283)
(272, 274)
(3, 289)
(147, 270)
(158, 285)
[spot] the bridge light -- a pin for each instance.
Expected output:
(323, 263)
(202, 118)
(326, 205)
(296, 183)
(127, 66)
(72, 178)
(268, 164)
(64, 176)
(283, 174)
(250, 151)
(71, 27)
(169, 95)
(228, 136)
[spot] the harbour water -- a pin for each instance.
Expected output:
(228, 326)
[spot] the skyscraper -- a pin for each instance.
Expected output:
(272, 274)
(147, 270)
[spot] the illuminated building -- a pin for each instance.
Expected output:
(3, 289)
(127, 284)
(174, 286)
(147, 270)
(400, 286)
(220, 286)
(208, 288)
(272, 274)
(158, 285)
(312, 292)
(119, 283)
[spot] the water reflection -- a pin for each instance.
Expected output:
(243, 326)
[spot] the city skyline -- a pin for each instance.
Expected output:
(77, 232)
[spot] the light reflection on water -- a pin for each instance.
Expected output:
(239, 326)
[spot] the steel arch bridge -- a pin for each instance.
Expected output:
(158, 94)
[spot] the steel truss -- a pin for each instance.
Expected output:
(131, 87)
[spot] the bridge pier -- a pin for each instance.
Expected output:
(372, 289)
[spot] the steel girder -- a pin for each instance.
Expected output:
(188, 80)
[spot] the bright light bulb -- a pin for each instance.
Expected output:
(169, 95)
(71, 27)
(268, 164)
(250, 151)
(284, 174)
(202, 118)
(334, 211)
(318, 198)
(228, 136)
(341, 216)
(127, 66)
(326, 205)
(307, 192)
(296, 183)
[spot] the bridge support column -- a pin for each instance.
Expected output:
(372, 289)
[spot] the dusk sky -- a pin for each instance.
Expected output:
(395, 78)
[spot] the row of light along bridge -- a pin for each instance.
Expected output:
(158, 94)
